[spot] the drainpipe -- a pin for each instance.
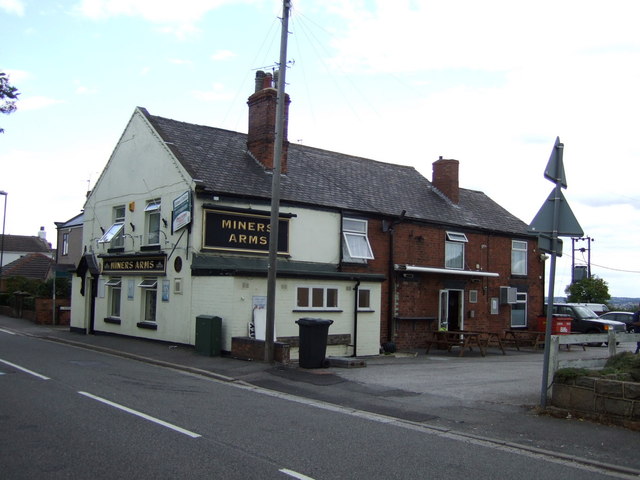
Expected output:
(392, 286)
(355, 318)
(391, 324)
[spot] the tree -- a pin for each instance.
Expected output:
(588, 290)
(8, 96)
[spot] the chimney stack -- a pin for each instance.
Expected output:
(445, 178)
(262, 122)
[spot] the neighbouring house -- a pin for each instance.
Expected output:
(69, 242)
(16, 246)
(177, 226)
(21, 253)
(36, 266)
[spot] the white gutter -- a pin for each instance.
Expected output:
(471, 273)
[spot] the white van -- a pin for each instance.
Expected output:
(598, 308)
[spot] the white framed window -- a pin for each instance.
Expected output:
(317, 298)
(518, 257)
(355, 245)
(152, 213)
(115, 295)
(149, 288)
(519, 310)
(65, 244)
(115, 234)
(473, 296)
(364, 299)
(177, 286)
(454, 250)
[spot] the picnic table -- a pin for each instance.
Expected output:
(524, 337)
(530, 338)
(465, 339)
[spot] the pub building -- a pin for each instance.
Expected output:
(177, 227)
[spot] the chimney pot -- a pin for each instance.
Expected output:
(259, 80)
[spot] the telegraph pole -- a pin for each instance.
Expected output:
(275, 189)
(582, 249)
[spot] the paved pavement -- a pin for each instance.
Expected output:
(493, 397)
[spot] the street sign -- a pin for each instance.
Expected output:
(545, 244)
(567, 225)
(555, 167)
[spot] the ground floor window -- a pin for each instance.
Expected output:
(519, 311)
(364, 299)
(115, 293)
(317, 298)
(149, 288)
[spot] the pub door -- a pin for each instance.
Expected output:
(451, 306)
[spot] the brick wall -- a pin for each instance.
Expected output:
(414, 297)
(246, 348)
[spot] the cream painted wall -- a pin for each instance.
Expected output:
(140, 169)
(231, 298)
(305, 230)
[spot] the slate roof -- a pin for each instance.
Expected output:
(22, 243)
(76, 221)
(32, 265)
(322, 178)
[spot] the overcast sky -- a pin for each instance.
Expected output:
(491, 84)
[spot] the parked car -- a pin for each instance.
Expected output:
(598, 308)
(584, 320)
(625, 317)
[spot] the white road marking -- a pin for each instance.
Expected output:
(7, 331)
(293, 474)
(141, 415)
(24, 370)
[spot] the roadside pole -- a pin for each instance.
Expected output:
(275, 190)
(554, 219)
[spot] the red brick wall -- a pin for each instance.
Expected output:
(417, 294)
(44, 313)
(262, 127)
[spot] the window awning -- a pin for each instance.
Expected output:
(449, 271)
(112, 232)
(148, 283)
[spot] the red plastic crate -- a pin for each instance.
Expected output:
(559, 325)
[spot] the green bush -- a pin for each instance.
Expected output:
(38, 288)
(570, 373)
(620, 366)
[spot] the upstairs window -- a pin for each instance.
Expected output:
(518, 257)
(454, 250)
(115, 233)
(152, 212)
(65, 244)
(355, 246)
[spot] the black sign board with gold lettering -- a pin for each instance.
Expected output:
(244, 232)
(134, 265)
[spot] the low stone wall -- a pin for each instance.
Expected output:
(602, 399)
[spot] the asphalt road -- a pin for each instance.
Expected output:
(67, 412)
